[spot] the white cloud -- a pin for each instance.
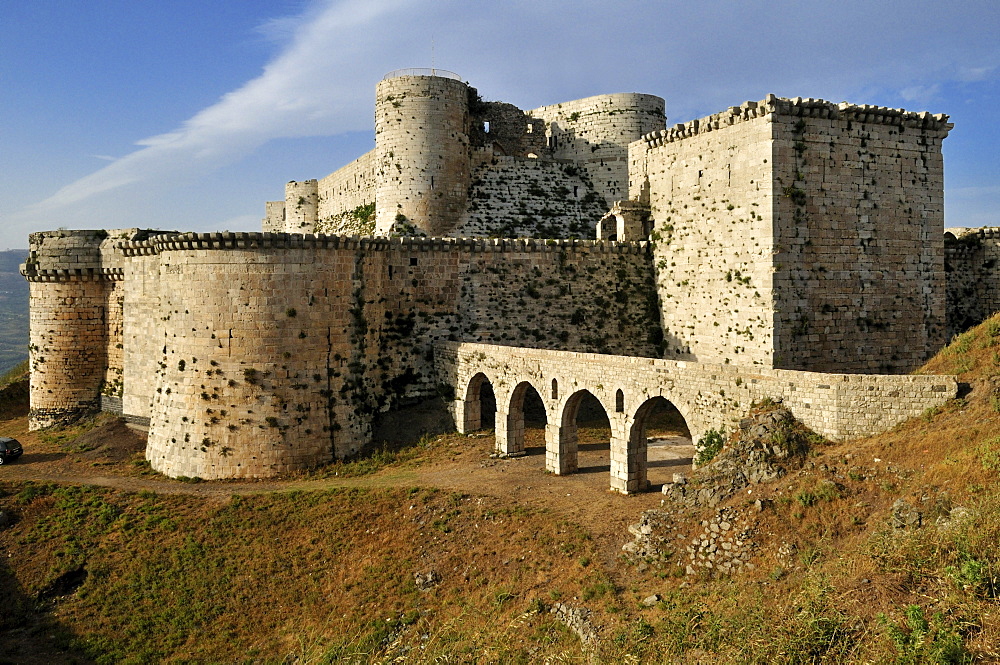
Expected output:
(700, 58)
(921, 94)
(296, 95)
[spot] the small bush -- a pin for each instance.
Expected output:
(709, 446)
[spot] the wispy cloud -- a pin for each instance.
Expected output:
(294, 96)
(529, 53)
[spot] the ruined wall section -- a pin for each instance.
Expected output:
(347, 199)
(595, 132)
(505, 129)
(512, 197)
(274, 217)
(709, 189)
(421, 153)
(859, 231)
(973, 280)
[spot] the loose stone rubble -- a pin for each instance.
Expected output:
(766, 446)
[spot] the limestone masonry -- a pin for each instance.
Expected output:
(785, 248)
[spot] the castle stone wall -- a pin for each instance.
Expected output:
(859, 232)
(973, 279)
(421, 152)
(143, 330)
(342, 192)
(710, 196)
(513, 197)
(254, 354)
(799, 233)
(595, 132)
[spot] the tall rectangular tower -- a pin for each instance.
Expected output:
(799, 234)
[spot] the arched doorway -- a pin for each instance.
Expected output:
(480, 404)
(526, 420)
(662, 440)
(584, 436)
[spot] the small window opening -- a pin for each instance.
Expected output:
(555, 389)
(576, 191)
(531, 129)
(390, 272)
(413, 260)
(486, 127)
(432, 182)
(619, 402)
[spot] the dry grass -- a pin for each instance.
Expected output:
(328, 576)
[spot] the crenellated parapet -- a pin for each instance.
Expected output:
(802, 108)
(76, 320)
(248, 240)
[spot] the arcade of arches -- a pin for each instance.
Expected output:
(562, 389)
(580, 422)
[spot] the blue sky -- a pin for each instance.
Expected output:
(189, 115)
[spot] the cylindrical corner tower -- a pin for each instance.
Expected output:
(422, 150)
(68, 325)
(301, 204)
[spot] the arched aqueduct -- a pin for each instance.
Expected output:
(838, 406)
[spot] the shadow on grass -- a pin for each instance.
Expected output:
(29, 634)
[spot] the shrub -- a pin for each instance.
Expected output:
(709, 446)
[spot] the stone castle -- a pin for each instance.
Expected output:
(787, 248)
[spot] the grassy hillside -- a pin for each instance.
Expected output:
(879, 550)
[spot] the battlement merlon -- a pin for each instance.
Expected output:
(271, 241)
(803, 108)
(79, 255)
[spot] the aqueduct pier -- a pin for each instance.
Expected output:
(708, 396)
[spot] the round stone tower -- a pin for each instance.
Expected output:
(68, 325)
(421, 150)
(301, 205)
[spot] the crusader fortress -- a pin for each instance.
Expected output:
(785, 248)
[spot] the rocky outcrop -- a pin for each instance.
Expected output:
(764, 448)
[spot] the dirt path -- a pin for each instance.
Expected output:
(110, 455)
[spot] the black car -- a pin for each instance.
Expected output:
(10, 449)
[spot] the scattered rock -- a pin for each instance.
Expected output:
(576, 619)
(956, 517)
(650, 601)
(724, 547)
(427, 581)
(765, 447)
(905, 516)
(651, 539)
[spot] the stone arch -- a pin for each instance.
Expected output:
(478, 394)
(638, 443)
(513, 443)
(562, 444)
